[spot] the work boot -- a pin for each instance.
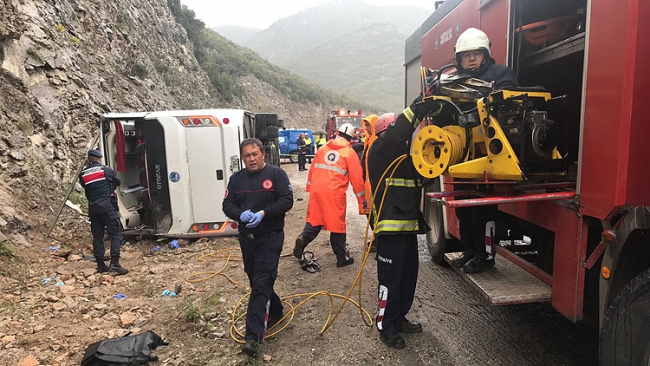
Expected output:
(462, 260)
(251, 348)
(101, 266)
(116, 268)
(373, 248)
(408, 327)
(345, 262)
(299, 247)
(478, 264)
(392, 339)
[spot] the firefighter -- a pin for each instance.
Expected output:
(100, 182)
(258, 197)
(369, 129)
(335, 166)
(476, 224)
(473, 58)
(397, 224)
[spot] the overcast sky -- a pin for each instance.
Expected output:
(262, 13)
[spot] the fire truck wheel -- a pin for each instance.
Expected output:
(293, 156)
(625, 335)
(436, 240)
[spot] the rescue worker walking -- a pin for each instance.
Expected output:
(336, 165)
(99, 183)
(400, 220)
(473, 58)
(258, 197)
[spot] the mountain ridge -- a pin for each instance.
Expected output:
(299, 43)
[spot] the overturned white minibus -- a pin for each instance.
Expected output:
(174, 167)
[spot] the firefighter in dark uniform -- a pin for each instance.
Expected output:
(100, 182)
(399, 222)
(473, 58)
(258, 197)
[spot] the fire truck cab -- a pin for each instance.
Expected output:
(580, 240)
(341, 116)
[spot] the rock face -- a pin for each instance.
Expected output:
(64, 63)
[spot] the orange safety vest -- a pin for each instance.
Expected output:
(335, 166)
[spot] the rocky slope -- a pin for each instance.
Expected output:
(64, 63)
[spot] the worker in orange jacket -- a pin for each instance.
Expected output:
(334, 167)
(369, 130)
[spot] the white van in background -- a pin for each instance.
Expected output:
(174, 167)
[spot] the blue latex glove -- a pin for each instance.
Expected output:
(257, 218)
(246, 216)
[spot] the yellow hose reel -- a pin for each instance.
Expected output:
(434, 149)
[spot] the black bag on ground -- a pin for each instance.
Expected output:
(130, 350)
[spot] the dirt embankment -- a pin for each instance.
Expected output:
(54, 305)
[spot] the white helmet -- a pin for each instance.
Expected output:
(347, 129)
(472, 39)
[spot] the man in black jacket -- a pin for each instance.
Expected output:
(258, 197)
(100, 182)
(473, 58)
(302, 152)
(399, 221)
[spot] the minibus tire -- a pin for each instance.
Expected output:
(272, 132)
(270, 119)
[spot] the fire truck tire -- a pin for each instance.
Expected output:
(293, 156)
(272, 132)
(436, 240)
(625, 335)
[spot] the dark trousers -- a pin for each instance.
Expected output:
(302, 160)
(111, 221)
(337, 240)
(471, 222)
(261, 257)
(397, 271)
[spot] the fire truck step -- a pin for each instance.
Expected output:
(506, 283)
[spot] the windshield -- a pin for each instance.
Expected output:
(353, 120)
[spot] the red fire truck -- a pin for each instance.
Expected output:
(582, 240)
(341, 116)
